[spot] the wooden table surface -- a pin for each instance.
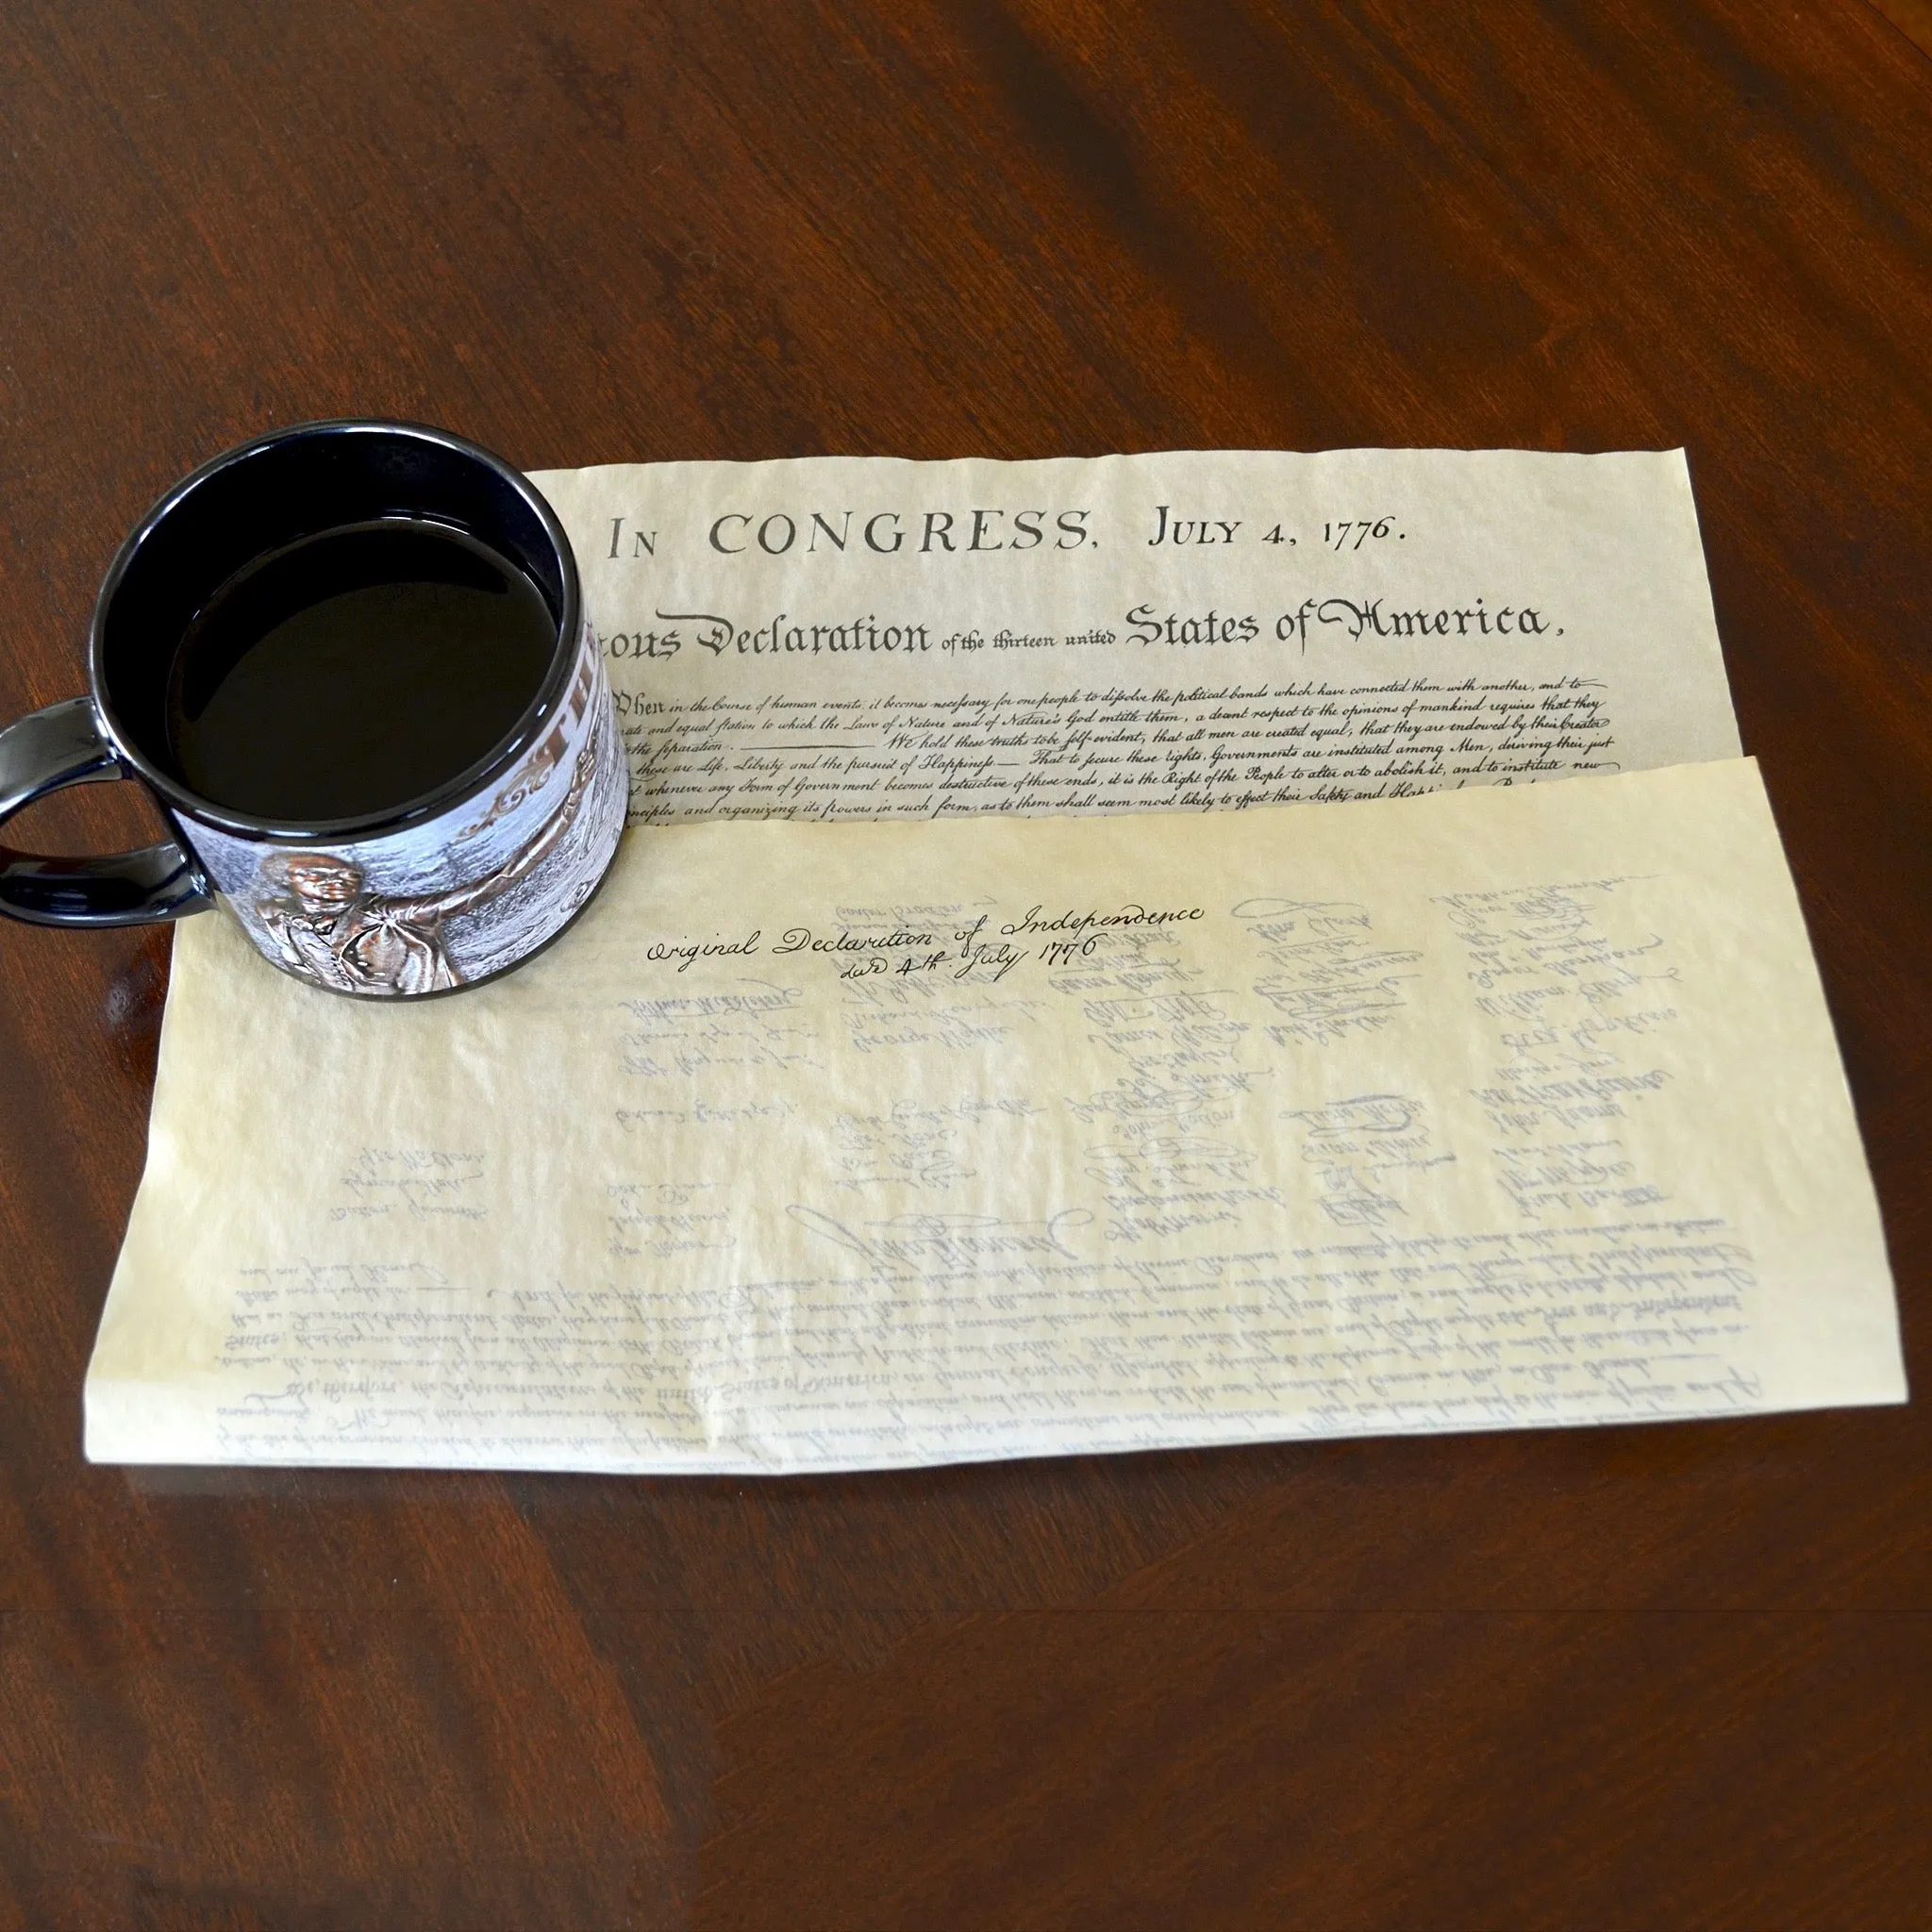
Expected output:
(1626, 1677)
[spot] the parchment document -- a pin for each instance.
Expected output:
(838, 1146)
(836, 636)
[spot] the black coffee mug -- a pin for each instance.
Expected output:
(387, 818)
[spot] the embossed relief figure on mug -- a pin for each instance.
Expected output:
(331, 927)
(452, 900)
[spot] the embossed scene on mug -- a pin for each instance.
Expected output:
(460, 896)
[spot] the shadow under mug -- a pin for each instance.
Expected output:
(439, 891)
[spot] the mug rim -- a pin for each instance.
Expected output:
(451, 791)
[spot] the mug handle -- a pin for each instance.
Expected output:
(65, 745)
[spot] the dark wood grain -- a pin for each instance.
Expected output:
(1913, 18)
(1625, 1677)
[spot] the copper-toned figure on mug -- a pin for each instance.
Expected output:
(330, 928)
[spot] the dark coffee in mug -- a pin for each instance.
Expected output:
(404, 649)
(350, 663)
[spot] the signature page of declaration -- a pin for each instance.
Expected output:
(838, 1147)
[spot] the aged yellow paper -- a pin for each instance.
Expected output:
(861, 636)
(838, 1147)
